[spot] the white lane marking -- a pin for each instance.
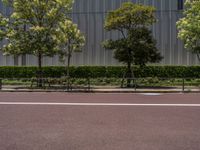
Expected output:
(151, 94)
(97, 104)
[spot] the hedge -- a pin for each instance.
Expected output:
(101, 71)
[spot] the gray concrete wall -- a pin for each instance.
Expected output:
(90, 15)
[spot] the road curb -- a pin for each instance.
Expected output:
(100, 91)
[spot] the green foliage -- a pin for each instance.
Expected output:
(36, 27)
(130, 15)
(101, 72)
(3, 25)
(33, 26)
(189, 26)
(70, 40)
(136, 45)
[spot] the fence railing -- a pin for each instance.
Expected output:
(87, 84)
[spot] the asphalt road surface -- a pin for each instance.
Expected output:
(63, 121)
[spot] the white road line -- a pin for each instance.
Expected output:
(98, 104)
(152, 94)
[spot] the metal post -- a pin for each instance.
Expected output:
(88, 84)
(183, 86)
(0, 84)
(135, 84)
(68, 84)
(122, 83)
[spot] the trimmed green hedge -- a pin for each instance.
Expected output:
(100, 71)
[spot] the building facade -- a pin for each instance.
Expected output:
(90, 16)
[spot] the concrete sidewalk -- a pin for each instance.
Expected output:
(105, 90)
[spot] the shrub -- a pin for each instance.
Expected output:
(102, 72)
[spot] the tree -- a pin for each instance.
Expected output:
(136, 45)
(42, 19)
(71, 40)
(3, 25)
(189, 27)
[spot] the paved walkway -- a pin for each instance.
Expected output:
(106, 90)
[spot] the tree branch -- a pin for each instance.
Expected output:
(198, 56)
(122, 32)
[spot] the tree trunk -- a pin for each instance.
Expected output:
(129, 74)
(68, 65)
(39, 73)
(68, 71)
(69, 56)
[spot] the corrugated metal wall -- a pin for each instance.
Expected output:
(90, 15)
